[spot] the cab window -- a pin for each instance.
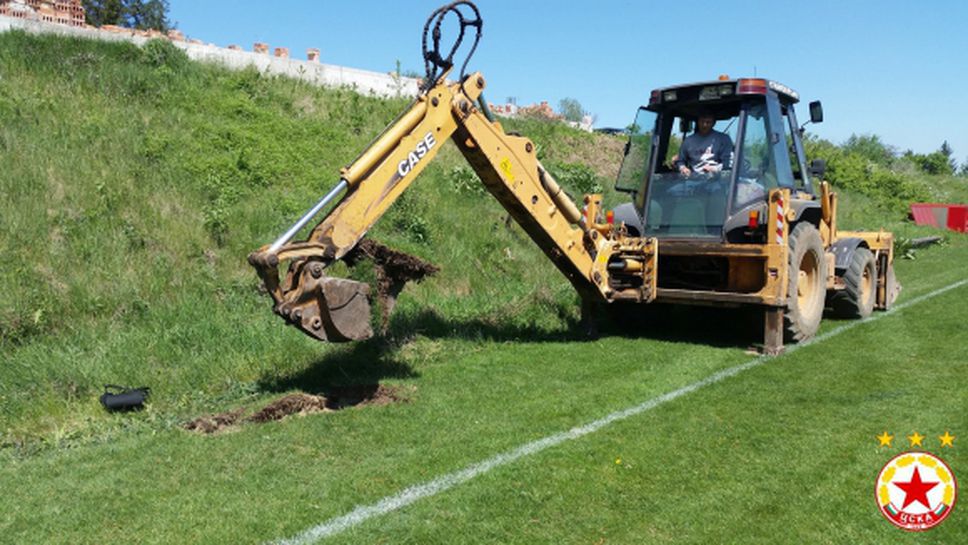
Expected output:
(638, 153)
(694, 204)
(757, 172)
(795, 146)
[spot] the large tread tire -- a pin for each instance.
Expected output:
(806, 292)
(857, 298)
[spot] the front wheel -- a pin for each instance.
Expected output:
(806, 291)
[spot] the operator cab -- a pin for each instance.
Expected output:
(757, 115)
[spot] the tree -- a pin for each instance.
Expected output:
(871, 148)
(139, 14)
(931, 163)
(150, 14)
(103, 12)
(949, 154)
(571, 109)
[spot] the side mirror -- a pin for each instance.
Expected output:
(817, 168)
(816, 112)
(685, 126)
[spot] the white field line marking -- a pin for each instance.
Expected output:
(446, 482)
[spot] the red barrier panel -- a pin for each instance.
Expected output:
(958, 218)
(952, 216)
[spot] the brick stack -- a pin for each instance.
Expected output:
(65, 12)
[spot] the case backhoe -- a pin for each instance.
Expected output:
(776, 246)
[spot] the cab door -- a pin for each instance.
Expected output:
(637, 164)
(763, 162)
(775, 125)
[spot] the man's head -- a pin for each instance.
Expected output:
(704, 125)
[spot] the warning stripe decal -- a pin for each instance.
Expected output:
(779, 220)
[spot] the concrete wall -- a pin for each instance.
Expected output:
(327, 75)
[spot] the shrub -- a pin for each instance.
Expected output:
(465, 180)
(408, 215)
(577, 178)
(931, 163)
(870, 147)
(162, 53)
(862, 165)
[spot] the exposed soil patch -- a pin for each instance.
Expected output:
(393, 270)
(368, 394)
(336, 399)
(291, 404)
(215, 422)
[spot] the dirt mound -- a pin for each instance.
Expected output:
(215, 422)
(337, 398)
(291, 404)
(393, 270)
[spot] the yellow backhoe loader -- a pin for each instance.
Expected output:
(757, 231)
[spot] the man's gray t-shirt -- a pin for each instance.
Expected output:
(715, 149)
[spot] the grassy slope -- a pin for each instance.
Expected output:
(134, 184)
(132, 189)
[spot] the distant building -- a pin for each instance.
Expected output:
(47, 15)
(507, 110)
(540, 111)
(64, 12)
(511, 109)
(585, 124)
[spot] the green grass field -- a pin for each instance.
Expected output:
(133, 184)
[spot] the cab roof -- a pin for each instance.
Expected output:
(716, 95)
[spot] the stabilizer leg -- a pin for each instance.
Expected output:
(773, 331)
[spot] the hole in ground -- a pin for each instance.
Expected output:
(335, 399)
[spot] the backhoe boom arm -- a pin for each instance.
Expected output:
(337, 309)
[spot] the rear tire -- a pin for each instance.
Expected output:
(806, 292)
(857, 298)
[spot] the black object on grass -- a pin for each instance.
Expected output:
(122, 399)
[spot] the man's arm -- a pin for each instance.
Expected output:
(680, 163)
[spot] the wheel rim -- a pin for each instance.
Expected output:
(892, 287)
(807, 284)
(866, 285)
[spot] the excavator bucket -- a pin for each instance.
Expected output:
(344, 308)
(330, 309)
(338, 309)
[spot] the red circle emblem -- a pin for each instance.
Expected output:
(916, 491)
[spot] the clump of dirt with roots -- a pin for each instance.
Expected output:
(393, 270)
